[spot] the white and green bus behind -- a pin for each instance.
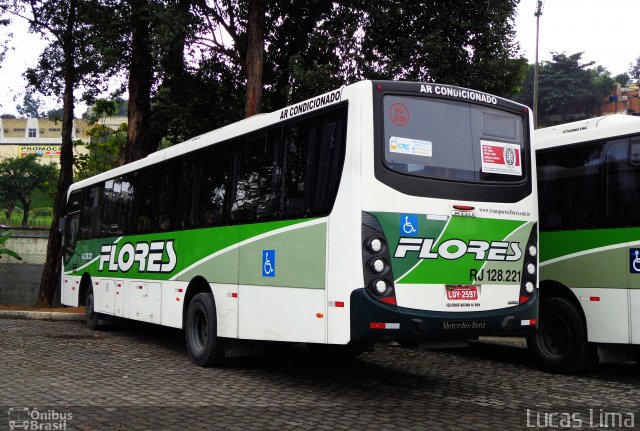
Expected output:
(589, 190)
(379, 211)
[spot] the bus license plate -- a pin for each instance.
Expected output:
(467, 293)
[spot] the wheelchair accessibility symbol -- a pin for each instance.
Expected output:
(268, 263)
(634, 266)
(408, 225)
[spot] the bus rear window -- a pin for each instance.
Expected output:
(438, 138)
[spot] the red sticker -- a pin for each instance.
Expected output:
(399, 114)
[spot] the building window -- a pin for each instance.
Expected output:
(32, 133)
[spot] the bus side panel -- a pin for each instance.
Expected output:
(282, 279)
(593, 264)
(344, 261)
(69, 291)
(634, 301)
(282, 314)
(606, 313)
(146, 300)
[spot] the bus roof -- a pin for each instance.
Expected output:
(586, 130)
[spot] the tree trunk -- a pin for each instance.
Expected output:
(26, 205)
(52, 268)
(139, 142)
(254, 61)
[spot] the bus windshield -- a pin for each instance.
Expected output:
(438, 138)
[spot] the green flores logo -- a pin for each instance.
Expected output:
(148, 255)
(456, 248)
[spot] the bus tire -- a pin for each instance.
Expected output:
(560, 345)
(205, 347)
(90, 312)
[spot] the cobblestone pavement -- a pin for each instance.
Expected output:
(139, 377)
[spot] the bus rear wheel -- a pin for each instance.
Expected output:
(560, 345)
(205, 348)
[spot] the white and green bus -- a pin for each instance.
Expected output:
(589, 190)
(379, 211)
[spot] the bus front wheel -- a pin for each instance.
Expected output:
(205, 348)
(561, 344)
(90, 312)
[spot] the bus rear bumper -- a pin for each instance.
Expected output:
(372, 320)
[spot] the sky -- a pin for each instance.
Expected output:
(606, 31)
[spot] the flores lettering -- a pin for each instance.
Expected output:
(148, 256)
(456, 248)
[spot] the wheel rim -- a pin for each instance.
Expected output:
(199, 331)
(555, 336)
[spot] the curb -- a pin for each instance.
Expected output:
(42, 315)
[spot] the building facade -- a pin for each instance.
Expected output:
(622, 100)
(22, 136)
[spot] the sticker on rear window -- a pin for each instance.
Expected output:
(501, 158)
(413, 147)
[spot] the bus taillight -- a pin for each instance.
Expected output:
(529, 268)
(376, 262)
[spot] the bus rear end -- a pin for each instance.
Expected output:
(449, 233)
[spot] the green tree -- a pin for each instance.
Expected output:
(567, 89)
(623, 79)
(21, 176)
(634, 71)
(55, 114)
(31, 107)
(77, 58)
(105, 145)
(468, 43)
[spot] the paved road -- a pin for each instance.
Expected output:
(138, 377)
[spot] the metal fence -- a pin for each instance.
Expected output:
(20, 279)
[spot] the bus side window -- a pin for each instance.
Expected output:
(257, 179)
(634, 152)
(330, 162)
(314, 153)
(72, 224)
(114, 207)
(622, 197)
(146, 205)
(89, 218)
(570, 188)
(211, 180)
(297, 163)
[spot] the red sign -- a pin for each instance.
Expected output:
(399, 114)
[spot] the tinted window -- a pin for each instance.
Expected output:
(588, 186)
(313, 157)
(438, 138)
(213, 169)
(72, 224)
(622, 182)
(257, 178)
(287, 171)
(90, 215)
